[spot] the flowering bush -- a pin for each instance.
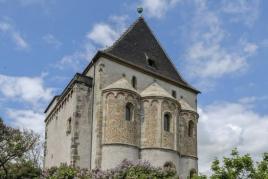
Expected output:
(126, 170)
(66, 172)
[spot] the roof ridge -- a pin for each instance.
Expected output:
(166, 54)
(138, 39)
(124, 34)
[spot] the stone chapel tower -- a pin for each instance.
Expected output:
(131, 103)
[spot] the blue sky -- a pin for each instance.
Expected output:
(220, 47)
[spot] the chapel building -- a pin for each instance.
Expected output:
(130, 103)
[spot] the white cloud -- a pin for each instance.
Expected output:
(78, 58)
(208, 57)
(26, 89)
(52, 40)
(100, 36)
(27, 119)
(8, 29)
(250, 48)
(105, 34)
(158, 8)
(213, 61)
(252, 99)
(223, 126)
(241, 10)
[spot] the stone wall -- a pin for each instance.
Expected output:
(116, 128)
(112, 155)
(169, 137)
(186, 165)
(151, 124)
(81, 137)
(57, 137)
(112, 71)
(188, 144)
(68, 129)
(111, 132)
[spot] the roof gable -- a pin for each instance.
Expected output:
(121, 84)
(139, 46)
(155, 89)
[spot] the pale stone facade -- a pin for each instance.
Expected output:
(116, 110)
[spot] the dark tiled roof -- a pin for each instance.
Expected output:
(137, 45)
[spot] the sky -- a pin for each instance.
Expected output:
(220, 47)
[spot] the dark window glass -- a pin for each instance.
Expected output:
(174, 94)
(151, 63)
(167, 119)
(134, 82)
(69, 126)
(129, 111)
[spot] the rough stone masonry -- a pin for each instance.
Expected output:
(131, 103)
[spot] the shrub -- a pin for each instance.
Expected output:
(126, 170)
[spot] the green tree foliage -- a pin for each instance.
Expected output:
(262, 168)
(14, 148)
(240, 167)
(236, 167)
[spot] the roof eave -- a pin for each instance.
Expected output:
(118, 59)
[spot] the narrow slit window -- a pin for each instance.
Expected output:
(174, 94)
(191, 129)
(69, 126)
(167, 121)
(134, 82)
(129, 112)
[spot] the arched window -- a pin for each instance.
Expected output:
(129, 111)
(134, 82)
(192, 173)
(191, 129)
(169, 164)
(167, 120)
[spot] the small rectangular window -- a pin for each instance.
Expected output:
(69, 126)
(174, 94)
(151, 63)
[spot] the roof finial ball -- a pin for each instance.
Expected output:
(140, 10)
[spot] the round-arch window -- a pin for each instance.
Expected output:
(191, 129)
(134, 82)
(129, 111)
(193, 173)
(167, 121)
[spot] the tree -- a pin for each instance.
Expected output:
(240, 167)
(236, 167)
(14, 145)
(262, 168)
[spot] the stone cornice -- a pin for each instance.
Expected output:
(120, 90)
(151, 148)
